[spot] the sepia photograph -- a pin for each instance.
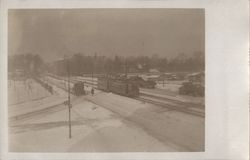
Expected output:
(106, 80)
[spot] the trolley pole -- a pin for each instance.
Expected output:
(69, 104)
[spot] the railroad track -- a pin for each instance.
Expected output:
(60, 86)
(181, 103)
(175, 107)
(72, 81)
(43, 111)
(172, 104)
(88, 82)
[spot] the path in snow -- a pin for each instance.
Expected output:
(42, 126)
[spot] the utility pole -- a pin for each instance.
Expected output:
(126, 69)
(69, 104)
(163, 80)
(93, 68)
(92, 74)
(126, 75)
(108, 75)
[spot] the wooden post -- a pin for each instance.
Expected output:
(126, 75)
(69, 103)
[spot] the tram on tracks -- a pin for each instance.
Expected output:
(121, 87)
(78, 89)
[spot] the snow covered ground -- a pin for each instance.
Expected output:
(180, 131)
(24, 100)
(94, 129)
(105, 122)
(174, 96)
(87, 79)
(172, 87)
(24, 91)
(63, 83)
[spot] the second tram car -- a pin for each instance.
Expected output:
(118, 86)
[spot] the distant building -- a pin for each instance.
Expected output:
(133, 70)
(197, 77)
(153, 70)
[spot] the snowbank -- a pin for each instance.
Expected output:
(180, 131)
(94, 129)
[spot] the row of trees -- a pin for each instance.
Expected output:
(82, 64)
(28, 63)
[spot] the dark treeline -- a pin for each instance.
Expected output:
(28, 63)
(83, 64)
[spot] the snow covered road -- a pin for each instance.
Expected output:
(104, 122)
(42, 126)
(179, 130)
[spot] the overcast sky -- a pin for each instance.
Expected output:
(55, 32)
